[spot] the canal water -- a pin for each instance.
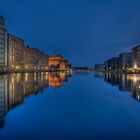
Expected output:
(69, 106)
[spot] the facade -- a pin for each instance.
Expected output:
(114, 63)
(58, 62)
(55, 60)
(24, 58)
(125, 60)
(28, 58)
(136, 57)
(16, 56)
(64, 65)
(3, 45)
(15, 52)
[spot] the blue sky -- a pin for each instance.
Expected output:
(84, 31)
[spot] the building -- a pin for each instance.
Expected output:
(24, 58)
(125, 60)
(3, 45)
(107, 64)
(57, 62)
(136, 57)
(15, 52)
(114, 63)
(64, 65)
(99, 67)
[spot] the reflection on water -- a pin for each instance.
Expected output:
(127, 83)
(15, 87)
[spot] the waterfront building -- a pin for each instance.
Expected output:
(28, 58)
(114, 63)
(24, 58)
(55, 60)
(3, 45)
(125, 60)
(43, 61)
(15, 52)
(58, 62)
(107, 64)
(33, 59)
(64, 65)
(136, 57)
(99, 67)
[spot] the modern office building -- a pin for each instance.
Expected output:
(3, 45)
(125, 60)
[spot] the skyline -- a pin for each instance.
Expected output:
(75, 29)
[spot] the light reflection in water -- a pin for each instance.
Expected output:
(126, 83)
(14, 88)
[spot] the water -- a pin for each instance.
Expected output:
(69, 106)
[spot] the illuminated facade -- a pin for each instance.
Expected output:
(24, 58)
(55, 60)
(58, 62)
(15, 53)
(3, 45)
(16, 56)
(136, 57)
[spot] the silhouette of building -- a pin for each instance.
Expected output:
(114, 63)
(15, 52)
(125, 60)
(107, 64)
(99, 67)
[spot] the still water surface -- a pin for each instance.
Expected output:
(69, 106)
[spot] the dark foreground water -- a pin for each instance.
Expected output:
(64, 106)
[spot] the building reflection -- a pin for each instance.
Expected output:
(14, 88)
(126, 83)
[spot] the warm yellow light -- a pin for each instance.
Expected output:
(135, 66)
(26, 67)
(135, 79)
(17, 67)
(26, 77)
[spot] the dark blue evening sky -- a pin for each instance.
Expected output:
(84, 31)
